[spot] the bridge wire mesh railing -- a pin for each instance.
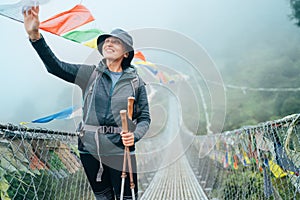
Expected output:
(40, 164)
(254, 162)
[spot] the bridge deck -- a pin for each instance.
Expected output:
(176, 181)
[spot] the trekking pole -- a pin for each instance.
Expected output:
(124, 129)
(130, 112)
(127, 158)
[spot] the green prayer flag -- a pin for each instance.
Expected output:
(82, 36)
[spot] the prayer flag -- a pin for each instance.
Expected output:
(226, 164)
(67, 21)
(68, 113)
(247, 160)
(268, 188)
(82, 36)
(140, 55)
(276, 170)
(235, 164)
(92, 43)
(151, 69)
(283, 160)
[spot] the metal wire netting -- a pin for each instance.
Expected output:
(40, 164)
(257, 162)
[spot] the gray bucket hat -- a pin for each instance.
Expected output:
(125, 38)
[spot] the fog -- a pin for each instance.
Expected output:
(223, 28)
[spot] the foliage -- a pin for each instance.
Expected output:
(21, 178)
(3, 186)
(262, 66)
(55, 162)
(285, 188)
(243, 185)
(26, 186)
(295, 5)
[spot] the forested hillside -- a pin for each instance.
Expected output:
(265, 73)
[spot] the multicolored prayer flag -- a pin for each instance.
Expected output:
(247, 160)
(226, 164)
(65, 24)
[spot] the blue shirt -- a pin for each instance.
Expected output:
(115, 77)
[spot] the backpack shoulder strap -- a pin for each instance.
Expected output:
(135, 82)
(89, 92)
(91, 82)
(90, 85)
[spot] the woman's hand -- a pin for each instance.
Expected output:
(127, 138)
(32, 22)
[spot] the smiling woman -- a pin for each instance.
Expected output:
(106, 89)
(234, 32)
(113, 50)
(116, 48)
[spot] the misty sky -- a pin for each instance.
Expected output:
(223, 28)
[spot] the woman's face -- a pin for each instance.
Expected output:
(113, 49)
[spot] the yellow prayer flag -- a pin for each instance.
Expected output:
(276, 170)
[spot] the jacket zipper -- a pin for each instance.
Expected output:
(109, 99)
(111, 93)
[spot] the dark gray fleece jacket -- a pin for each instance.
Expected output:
(107, 101)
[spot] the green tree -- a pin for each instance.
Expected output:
(290, 106)
(295, 5)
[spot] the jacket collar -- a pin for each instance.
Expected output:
(102, 67)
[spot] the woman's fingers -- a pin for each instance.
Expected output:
(127, 138)
(34, 10)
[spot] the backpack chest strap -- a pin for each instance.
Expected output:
(102, 129)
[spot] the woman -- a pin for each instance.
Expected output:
(105, 88)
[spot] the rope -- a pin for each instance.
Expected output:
(10, 127)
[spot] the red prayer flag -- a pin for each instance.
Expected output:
(67, 21)
(140, 55)
(235, 164)
(161, 77)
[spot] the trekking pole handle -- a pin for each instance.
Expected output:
(123, 114)
(130, 103)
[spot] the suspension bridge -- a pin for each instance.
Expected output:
(253, 162)
(258, 162)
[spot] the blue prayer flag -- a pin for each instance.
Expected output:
(64, 114)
